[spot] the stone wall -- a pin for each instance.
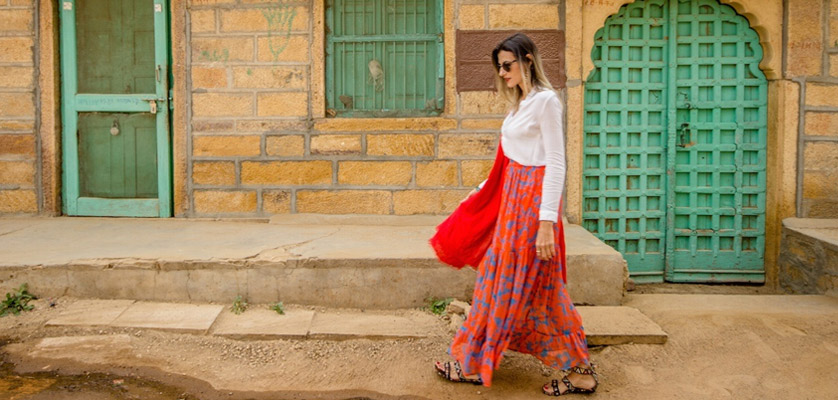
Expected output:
(808, 260)
(18, 140)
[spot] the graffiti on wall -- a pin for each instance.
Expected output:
(280, 18)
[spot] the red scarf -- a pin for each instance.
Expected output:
(463, 238)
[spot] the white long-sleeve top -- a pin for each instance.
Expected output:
(534, 136)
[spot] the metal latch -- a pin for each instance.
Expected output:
(152, 106)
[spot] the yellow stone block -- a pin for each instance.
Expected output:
(224, 202)
(475, 171)
(820, 156)
(385, 124)
(16, 21)
(335, 144)
(16, 77)
(276, 201)
(409, 202)
(278, 20)
(286, 173)
(821, 123)
(467, 145)
(226, 146)
(222, 105)
(18, 201)
(833, 60)
(210, 2)
(285, 104)
(272, 126)
(16, 105)
(416, 145)
(208, 50)
(214, 173)
(209, 78)
(472, 17)
(16, 126)
(292, 48)
(203, 21)
(17, 173)
(820, 94)
(344, 201)
(833, 24)
(805, 38)
(274, 77)
(436, 173)
(483, 103)
(17, 145)
(16, 50)
(820, 184)
(481, 124)
(374, 173)
(285, 146)
(524, 16)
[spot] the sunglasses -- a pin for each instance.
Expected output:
(507, 66)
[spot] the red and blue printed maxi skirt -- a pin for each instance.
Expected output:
(520, 303)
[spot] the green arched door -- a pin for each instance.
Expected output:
(675, 138)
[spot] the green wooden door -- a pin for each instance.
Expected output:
(115, 108)
(675, 137)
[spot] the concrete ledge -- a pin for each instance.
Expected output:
(808, 261)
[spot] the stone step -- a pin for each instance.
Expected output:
(336, 262)
(603, 325)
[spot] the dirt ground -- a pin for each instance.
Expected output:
(720, 346)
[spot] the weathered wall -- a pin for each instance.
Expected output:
(809, 258)
(19, 177)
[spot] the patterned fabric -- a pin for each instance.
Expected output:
(520, 302)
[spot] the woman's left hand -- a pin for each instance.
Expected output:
(545, 242)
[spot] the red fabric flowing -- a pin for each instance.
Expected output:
(463, 238)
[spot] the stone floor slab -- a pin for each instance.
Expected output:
(264, 325)
(91, 313)
(619, 325)
(333, 326)
(192, 318)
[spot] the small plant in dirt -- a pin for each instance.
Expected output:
(17, 302)
(279, 308)
(438, 306)
(239, 305)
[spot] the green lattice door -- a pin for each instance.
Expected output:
(675, 136)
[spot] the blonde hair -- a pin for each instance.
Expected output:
(520, 45)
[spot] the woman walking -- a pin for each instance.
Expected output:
(511, 229)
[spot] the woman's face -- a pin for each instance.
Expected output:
(507, 60)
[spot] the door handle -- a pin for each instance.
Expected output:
(684, 135)
(152, 106)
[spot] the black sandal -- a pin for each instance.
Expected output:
(570, 388)
(446, 373)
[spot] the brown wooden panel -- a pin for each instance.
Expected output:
(474, 57)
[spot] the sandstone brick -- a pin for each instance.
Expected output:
(386, 124)
(336, 144)
(214, 173)
(24, 3)
(276, 201)
(269, 77)
(277, 20)
(805, 33)
(820, 208)
(833, 24)
(472, 17)
(818, 94)
(409, 202)
(436, 173)
(271, 126)
(210, 2)
(16, 21)
(16, 105)
(226, 146)
(285, 146)
(482, 124)
(224, 202)
(421, 145)
(17, 173)
(203, 21)
(820, 156)
(483, 103)
(524, 16)
(292, 48)
(16, 77)
(208, 78)
(820, 184)
(205, 50)
(16, 49)
(467, 145)
(821, 124)
(286, 173)
(344, 201)
(286, 104)
(222, 105)
(374, 173)
(18, 201)
(17, 145)
(211, 126)
(475, 171)
(17, 126)
(833, 59)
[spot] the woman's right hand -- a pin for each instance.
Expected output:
(471, 193)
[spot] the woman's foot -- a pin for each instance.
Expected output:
(579, 380)
(454, 372)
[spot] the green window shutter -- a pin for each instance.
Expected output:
(384, 58)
